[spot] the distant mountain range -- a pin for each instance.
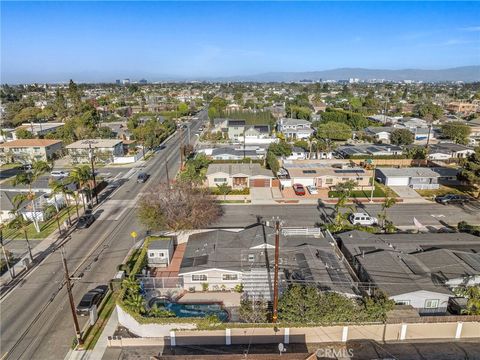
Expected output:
(464, 73)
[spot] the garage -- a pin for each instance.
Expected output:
(259, 182)
(397, 181)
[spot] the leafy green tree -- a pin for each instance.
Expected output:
(387, 203)
(183, 109)
(272, 162)
(23, 134)
(456, 132)
(472, 293)
(428, 111)
(334, 131)
(377, 306)
(470, 171)
(81, 175)
(281, 148)
(27, 114)
(136, 303)
(416, 152)
(401, 137)
(74, 94)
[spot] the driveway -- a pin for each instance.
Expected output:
(261, 195)
(408, 194)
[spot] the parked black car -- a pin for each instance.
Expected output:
(142, 177)
(452, 199)
(93, 297)
(85, 221)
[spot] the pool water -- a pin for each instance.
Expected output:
(191, 310)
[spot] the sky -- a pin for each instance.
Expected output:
(103, 41)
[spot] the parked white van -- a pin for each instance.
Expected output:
(362, 219)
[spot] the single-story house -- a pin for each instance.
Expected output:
(367, 150)
(420, 270)
(40, 129)
(416, 178)
(239, 175)
(27, 150)
(104, 150)
(257, 134)
(298, 153)
(160, 253)
(224, 259)
(325, 176)
(445, 151)
(6, 206)
(381, 133)
(227, 153)
(384, 119)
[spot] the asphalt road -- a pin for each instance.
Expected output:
(36, 321)
(309, 215)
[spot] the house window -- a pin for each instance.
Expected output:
(345, 179)
(161, 254)
(152, 254)
(359, 179)
(431, 304)
(229, 277)
(251, 257)
(200, 277)
(220, 180)
(402, 302)
(329, 181)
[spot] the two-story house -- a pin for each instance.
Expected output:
(295, 128)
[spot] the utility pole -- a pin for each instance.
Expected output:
(428, 138)
(275, 280)
(91, 155)
(166, 171)
(70, 298)
(11, 270)
(373, 183)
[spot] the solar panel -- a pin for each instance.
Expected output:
(473, 260)
(200, 260)
(187, 262)
(414, 266)
(347, 171)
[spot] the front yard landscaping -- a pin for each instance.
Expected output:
(449, 189)
(379, 192)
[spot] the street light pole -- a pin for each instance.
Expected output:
(70, 298)
(373, 184)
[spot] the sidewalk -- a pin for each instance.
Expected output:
(43, 249)
(100, 346)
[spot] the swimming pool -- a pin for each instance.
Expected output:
(190, 310)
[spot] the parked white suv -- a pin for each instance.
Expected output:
(362, 219)
(59, 173)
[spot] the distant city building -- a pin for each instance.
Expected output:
(142, 81)
(117, 82)
(126, 81)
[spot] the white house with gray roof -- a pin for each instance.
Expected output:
(224, 259)
(239, 175)
(104, 150)
(416, 178)
(295, 128)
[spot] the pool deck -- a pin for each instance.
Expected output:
(172, 270)
(229, 299)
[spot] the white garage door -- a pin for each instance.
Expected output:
(304, 181)
(397, 181)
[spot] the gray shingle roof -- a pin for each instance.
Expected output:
(253, 169)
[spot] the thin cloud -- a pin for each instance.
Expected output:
(471, 29)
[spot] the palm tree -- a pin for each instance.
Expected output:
(136, 302)
(58, 187)
(28, 178)
(81, 175)
(19, 223)
(387, 203)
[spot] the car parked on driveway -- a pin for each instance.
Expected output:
(85, 221)
(91, 298)
(452, 199)
(362, 219)
(299, 189)
(312, 190)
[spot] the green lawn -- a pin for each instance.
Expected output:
(10, 166)
(451, 189)
(378, 192)
(46, 228)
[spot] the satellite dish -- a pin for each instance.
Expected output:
(281, 348)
